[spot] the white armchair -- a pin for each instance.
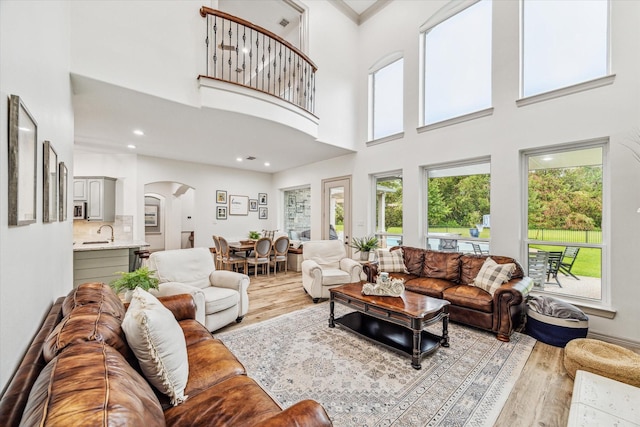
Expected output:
(325, 265)
(220, 295)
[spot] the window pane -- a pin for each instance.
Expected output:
(565, 209)
(457, 77)
(387, 97)
(297, 209)
(458, 208)
(564, 43)
(389, 211)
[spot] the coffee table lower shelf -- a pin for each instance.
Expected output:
(389, 334)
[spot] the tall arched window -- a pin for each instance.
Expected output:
(385, 97)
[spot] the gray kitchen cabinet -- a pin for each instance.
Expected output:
(100, 195)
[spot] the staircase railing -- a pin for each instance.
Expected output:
(243, 53)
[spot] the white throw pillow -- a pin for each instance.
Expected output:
(155, 337)
(492, 275)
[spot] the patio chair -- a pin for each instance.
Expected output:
(553, 266)
(568, 258)
(478, 250)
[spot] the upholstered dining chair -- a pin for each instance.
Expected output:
(220, 296)
(280, 251)
(228, 258)
(218, 258)
(261, 252)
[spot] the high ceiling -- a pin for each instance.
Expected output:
(106, 115)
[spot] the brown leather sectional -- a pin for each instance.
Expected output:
(449, 275)
(79, 370)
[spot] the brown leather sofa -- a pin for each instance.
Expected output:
(449, 275)
(79, 370)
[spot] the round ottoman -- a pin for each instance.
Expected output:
(602, 358)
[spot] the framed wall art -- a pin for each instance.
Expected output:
(262, 198)
(238, 205)
(63, 180)
(221, 197)
(50, 184)
(150, 215)
(263, 213)
(23, 160)
(221, 212)
(253, 205)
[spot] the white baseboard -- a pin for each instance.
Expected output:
(634, 345)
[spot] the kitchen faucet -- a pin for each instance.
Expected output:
(106, 225)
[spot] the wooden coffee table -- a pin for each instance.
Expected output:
(395, 322)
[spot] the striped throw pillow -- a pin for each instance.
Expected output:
(390, 261)
(493, 275)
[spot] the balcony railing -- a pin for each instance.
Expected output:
(243, 53)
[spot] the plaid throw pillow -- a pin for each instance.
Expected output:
(391, 262)
(269, 233)
(492, 275)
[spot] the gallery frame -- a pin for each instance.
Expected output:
(263, 213)
(23, 160)
(253, 205)
(150, 215)
(221, 212)
(63, 180)
(221, 197)
(50, 183)
(238, 205)
(262, 199)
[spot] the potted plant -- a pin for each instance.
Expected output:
(364, 245)
(128, 281)
(254, 235)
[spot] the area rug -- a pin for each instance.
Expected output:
(297, 356)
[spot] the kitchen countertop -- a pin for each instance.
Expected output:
(118, 244)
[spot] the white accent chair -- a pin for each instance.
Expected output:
(325, 265)
(220, 295)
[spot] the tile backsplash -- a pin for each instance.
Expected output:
(84, 230)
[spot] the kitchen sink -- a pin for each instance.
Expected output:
(95, 242)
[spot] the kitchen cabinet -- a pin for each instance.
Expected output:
(99, 192)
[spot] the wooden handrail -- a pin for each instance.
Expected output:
(204, 11)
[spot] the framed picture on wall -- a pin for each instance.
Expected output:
(63, 179)
(253, 205)
(150, 216)
(221, 212)
(221, 197)
(49, 184)
(263, 213)
(238, 205)
(262, 198)
(23, 160)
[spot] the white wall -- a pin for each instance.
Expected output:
(610, 111)
(35, 260)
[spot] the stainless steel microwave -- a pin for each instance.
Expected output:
(79, 210)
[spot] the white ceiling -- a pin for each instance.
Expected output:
(106, 115)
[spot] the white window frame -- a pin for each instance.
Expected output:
(591, 306)
(379, 65)
(605, 80)
(447, 11)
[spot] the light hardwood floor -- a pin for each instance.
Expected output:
(540, 397)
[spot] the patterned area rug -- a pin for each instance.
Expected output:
(297, 356)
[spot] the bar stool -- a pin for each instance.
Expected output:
(142, 257)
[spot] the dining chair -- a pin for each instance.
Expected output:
(448, 245)
(218, 257)
(553, 266)
(261, 252)
(229, 258)
(538, 263)
(280, 251)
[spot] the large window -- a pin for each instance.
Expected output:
(458, 207)
(457, 64)
(385, 92)
(564, 220)
(388, 211)
(564, 42)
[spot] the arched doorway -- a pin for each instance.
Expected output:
(169, 215)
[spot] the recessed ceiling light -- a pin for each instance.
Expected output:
(267, 164)
(131, 146)
(238, 159)
(138, 132)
